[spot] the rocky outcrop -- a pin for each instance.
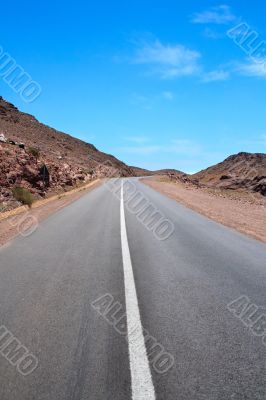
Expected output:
(27, 145)
(242, 171)
(20, 168)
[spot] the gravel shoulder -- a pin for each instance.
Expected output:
(238, 210)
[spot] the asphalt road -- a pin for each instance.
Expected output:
(84, 292)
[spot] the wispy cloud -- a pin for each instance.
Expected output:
(176, 146)
(216, 75)
(185, 147)
(254, 69)
(144, 102)
(147, 102)
(175, 61)
(221, 14)
(248, 68)
(255, 141)
(168, 61)
(140, 150)
(168, 95)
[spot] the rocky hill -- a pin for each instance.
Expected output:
(243, 171)
(44, 160)
(145, 172)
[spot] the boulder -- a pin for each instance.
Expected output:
(3, 139)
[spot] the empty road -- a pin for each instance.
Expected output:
(87, 293)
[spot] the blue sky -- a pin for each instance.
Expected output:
(159, 84)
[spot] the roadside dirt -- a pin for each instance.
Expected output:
(239, 210)
(23, 221)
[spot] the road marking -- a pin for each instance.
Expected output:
(141, 379)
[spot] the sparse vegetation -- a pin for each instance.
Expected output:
(34, 151)
(3, 208)
(23, 195)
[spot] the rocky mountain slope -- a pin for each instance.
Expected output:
(69, 161)
(243, 171)
(44, 161)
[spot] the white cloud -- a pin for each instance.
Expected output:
(252, 69)
(174, 61)
(216, 15)
(216, 75)
(168, 61)
(248, 69)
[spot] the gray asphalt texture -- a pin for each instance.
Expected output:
(49, 280)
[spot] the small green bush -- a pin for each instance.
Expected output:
(23, 195)
(34, 151)
(3, 208)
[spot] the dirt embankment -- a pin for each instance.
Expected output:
(241, 210)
